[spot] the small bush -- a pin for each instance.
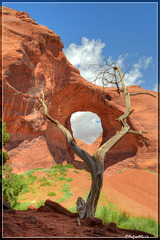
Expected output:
(62, 172)
(75, 171)
(43, 179)
(122, 170)
(69, 165)
(61, 178)
(31, 179)
(30, 172)
(3, 142)
(46, 184)
(51, 194)
(151, 171)
(22, 206)
(38, 169)
(69, 180)
(67, 194)
(55, 173)
(111, 213)
(13, 185)
(83, 170)
(49, 175)
(58, 166)
(73, 209)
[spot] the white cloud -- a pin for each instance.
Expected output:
(133, 77)
(155, 87)
(89, 52)
(86, 57)
(86, 126)
(143, 63)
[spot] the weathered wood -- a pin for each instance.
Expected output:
(96, 162)
(59, 208)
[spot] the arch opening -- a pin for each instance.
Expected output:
(86, 126)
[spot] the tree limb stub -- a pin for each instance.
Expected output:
(133, 94)
(138, 133)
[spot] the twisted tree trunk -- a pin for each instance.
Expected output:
(95, 162)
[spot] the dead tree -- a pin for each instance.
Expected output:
(96, 162)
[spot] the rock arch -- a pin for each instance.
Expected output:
(40, 51)
(75, 99)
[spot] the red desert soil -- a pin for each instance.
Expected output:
(134, 191)
(35, 223)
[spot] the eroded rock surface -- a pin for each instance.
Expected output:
(33, 58)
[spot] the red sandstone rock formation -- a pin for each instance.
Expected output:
(33, 58)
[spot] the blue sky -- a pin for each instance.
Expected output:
(118, 31)
(94, 32)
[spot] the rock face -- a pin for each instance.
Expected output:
(33, 153)
(33, 58)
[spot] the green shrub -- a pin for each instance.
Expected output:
(31, 179)
(61, 178)
(51, 194)
(69, 165)
(111, 213)
(47, 183)
(46, 170)
(13, 185)
(83, 170)
(49, 175)
(54, 173)
(67, 194)
(30, 172)
(69, 179)
(62, 172)
(151, 171)
(61, 169)
(122, 170)
(76, 171)
(22, 206)
(73, 209)
(43, 179)
(3, 141)
(38, 169)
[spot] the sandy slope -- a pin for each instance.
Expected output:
(133, 190)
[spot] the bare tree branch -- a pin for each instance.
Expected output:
(96, 162)
(133, 94)
(100, 153)
(78, 151)
(138, 133)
